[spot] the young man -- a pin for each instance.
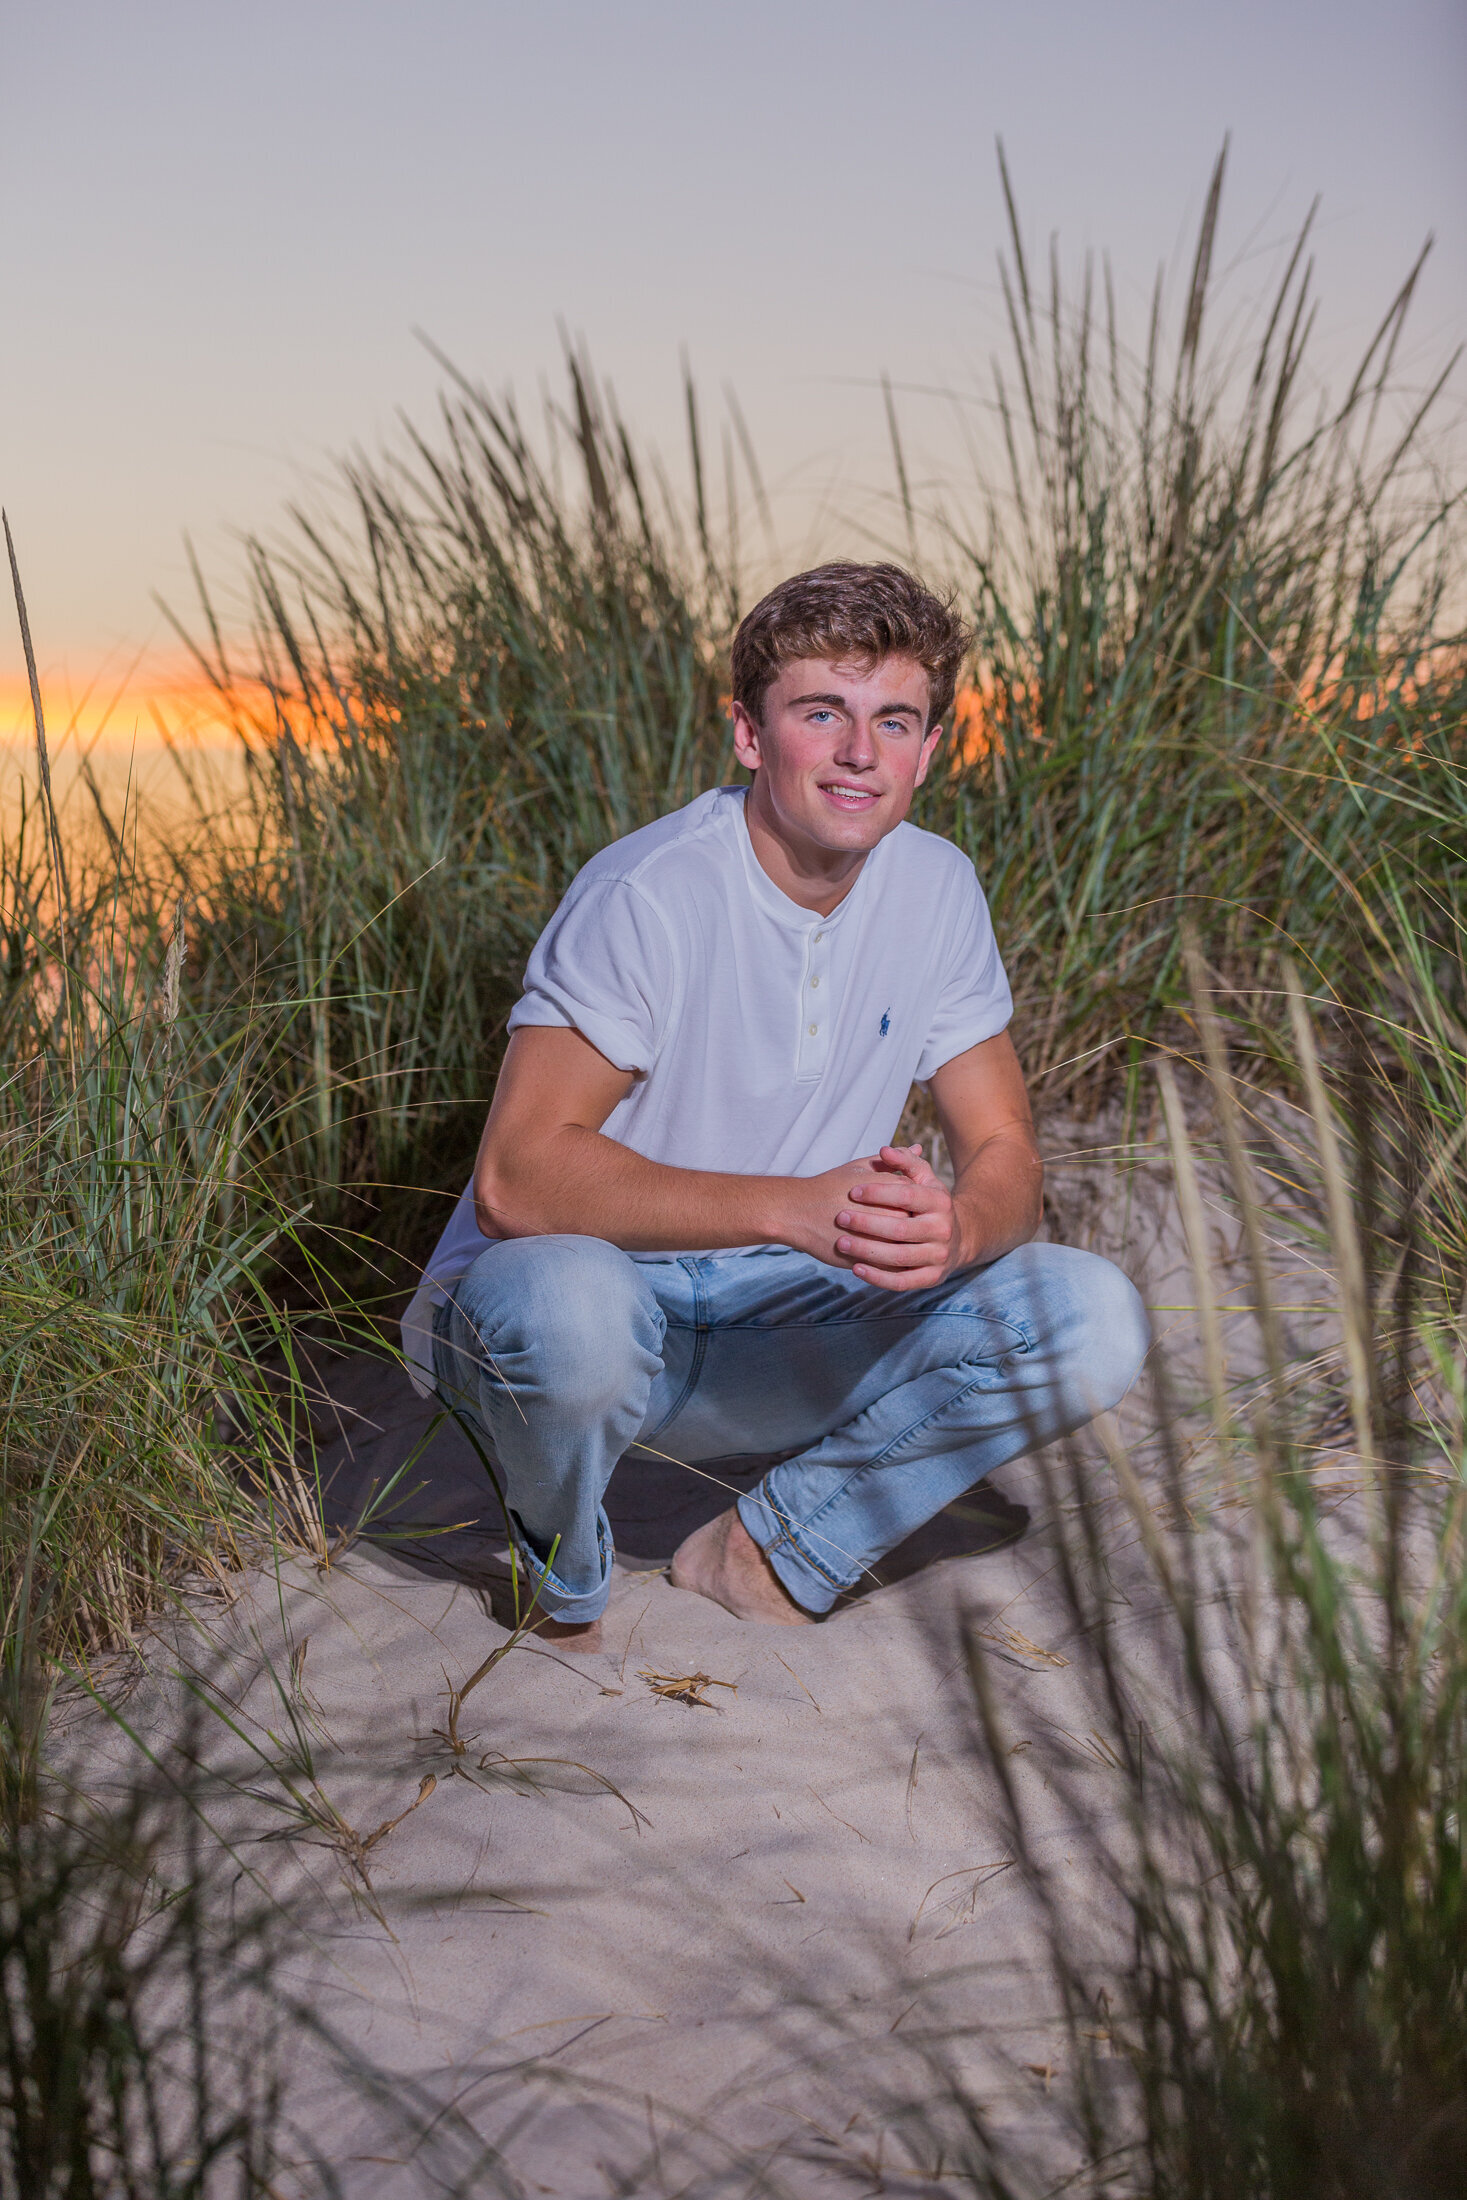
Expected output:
(687, 1226)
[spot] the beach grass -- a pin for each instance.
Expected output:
(139, 2025)
(1257, 1945)
(1217, 694)
(1219, 677)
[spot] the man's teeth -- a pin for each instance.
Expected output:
(853, 794)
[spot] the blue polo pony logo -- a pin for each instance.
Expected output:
(885, 1023)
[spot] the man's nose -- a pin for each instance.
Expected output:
(857, 747)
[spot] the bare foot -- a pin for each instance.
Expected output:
(721, 1560)
(568, 1634)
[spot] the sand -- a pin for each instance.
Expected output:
(640, 1944)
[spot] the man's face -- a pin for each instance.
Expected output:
(839, 752)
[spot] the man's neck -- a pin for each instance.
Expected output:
(814, 878)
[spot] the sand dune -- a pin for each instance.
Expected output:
(643, 1945)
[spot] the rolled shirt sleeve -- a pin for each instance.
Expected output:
(604, 967)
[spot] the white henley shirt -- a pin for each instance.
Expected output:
(764, 1040)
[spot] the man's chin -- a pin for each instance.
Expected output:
(852, 835)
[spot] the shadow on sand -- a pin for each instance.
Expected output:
(442, 1518)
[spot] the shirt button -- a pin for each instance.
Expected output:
(814, 981)
(814, 1030)
(818, 938)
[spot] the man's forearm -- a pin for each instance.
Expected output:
(998, 1199)
(577, 1182)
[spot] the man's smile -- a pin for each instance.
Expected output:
(849, 796)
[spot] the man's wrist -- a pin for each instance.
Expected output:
(769, 1210)
(967, 1234)
(749, 1210)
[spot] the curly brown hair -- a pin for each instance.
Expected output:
(859, 613)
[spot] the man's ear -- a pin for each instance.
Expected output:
(929, 747)
(746, 739)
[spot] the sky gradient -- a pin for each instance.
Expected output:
(224, 223)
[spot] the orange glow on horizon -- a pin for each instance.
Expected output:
(151, 742)
(159, 697)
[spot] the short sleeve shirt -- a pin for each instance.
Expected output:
(762, 1039)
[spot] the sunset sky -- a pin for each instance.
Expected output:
(223, 224)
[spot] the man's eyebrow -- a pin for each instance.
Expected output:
(887, 710)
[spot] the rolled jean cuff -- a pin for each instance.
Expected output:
(809, 1578)
(553, 1597)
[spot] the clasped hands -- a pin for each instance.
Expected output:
(887, 1218)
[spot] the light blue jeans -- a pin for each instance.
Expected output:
(563, 1353)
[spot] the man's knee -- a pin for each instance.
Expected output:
(569, 1318)
(1086, 1326)
(1102, 1329)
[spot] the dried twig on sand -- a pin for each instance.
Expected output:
(685, 1687)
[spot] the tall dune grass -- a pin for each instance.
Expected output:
(140, 2048)
(138, 1424)
(455, 699)
(1262, 1989)
(1218, 676)
(1221, 687)
(1216, 679)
